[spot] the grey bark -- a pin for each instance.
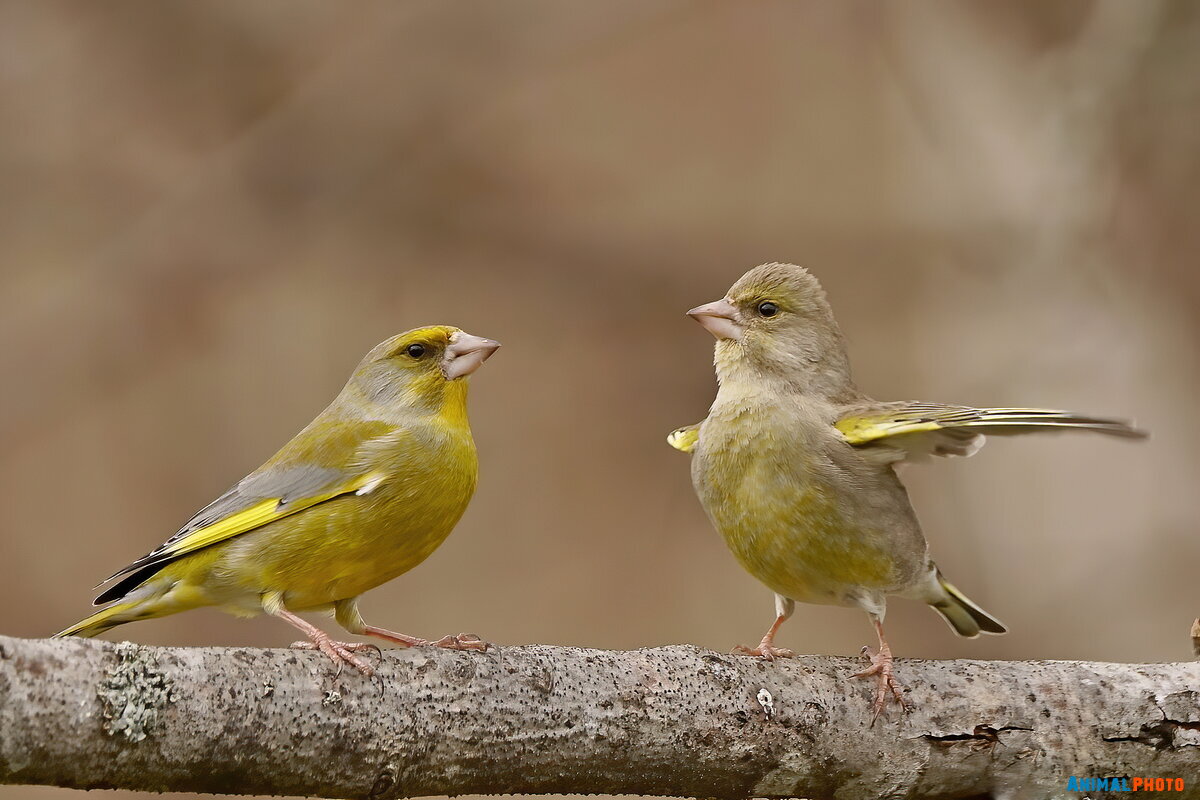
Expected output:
(671, 721)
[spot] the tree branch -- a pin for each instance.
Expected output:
(673, 721)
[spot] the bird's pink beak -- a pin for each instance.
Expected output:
(720, 319)
(466, 354)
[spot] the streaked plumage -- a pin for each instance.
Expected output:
(794, 465)
(360, 496)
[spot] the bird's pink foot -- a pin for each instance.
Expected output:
(463, 641)
(341, 653)
(885, 680)
(766, 650)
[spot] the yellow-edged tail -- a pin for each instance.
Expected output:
(965, 617)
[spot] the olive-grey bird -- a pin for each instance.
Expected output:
(796, 467)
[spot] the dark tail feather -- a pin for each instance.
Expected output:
(965, 617)
(129, 583)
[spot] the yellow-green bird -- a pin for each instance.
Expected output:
(363, 494)
(795, 466)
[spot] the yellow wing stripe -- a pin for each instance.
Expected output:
(860, 430)
(242, 521)
(923, 417)
(684, 439)
(260, 514)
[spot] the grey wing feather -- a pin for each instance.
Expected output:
(901, 431)
(284, 484)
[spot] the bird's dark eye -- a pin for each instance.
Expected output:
(768, 309)
(415, 350)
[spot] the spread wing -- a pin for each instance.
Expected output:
(287, 484)
(685, 438)
(908, 431)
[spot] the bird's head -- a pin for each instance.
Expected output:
(775, 324)
(424, 369)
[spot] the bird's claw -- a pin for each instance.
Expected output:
(462, 641)
(765, 651)
(341, 653)
(886, 683)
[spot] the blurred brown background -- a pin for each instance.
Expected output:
(210, 210)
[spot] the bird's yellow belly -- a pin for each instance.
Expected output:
(338, 549)
(793, 535)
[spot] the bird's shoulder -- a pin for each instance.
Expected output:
(767, 424)
(329, 442)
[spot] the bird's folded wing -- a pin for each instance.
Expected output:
(259, 498)
(918, 429)
(684, 438)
